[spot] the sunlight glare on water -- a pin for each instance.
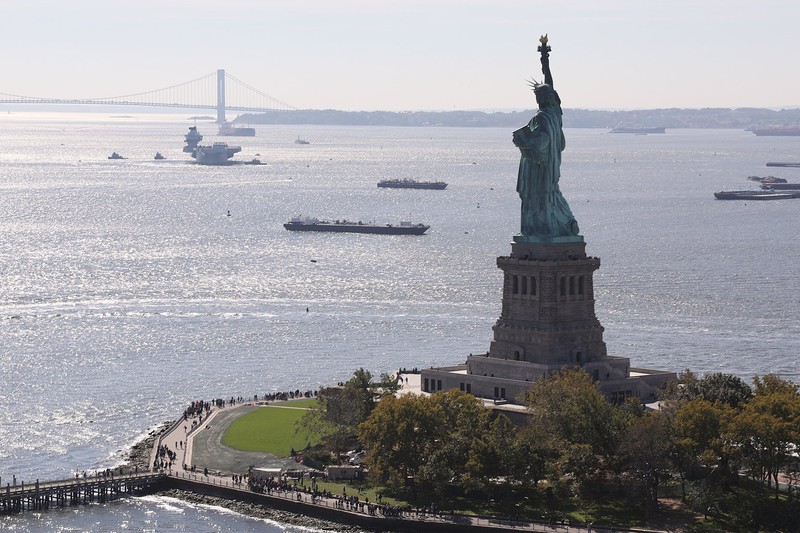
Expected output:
(128, 291)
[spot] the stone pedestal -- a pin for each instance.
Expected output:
(548, 312)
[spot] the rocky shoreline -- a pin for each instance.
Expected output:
(260, 511)
(140, 453)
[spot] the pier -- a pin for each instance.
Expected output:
(79, 491)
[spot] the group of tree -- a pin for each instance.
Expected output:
(708, 434)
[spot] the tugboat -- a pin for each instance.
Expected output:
(193, 138)
(115, 155)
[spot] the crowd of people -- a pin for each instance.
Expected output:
(164, 457)
(289, 488)
(200, 408)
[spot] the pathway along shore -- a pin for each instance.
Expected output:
(287, 503)
(202, 469)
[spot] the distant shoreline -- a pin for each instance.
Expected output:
(744, 118)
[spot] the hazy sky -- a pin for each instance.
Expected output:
(412, 54)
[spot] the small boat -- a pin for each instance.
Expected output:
(754, 195)
(115, 155)
(412, 184)
(301, 141)
(344, 226)
(158, 156)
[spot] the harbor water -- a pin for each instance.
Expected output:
(132, 287)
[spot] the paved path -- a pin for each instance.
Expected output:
(200, 443)
(463, 521)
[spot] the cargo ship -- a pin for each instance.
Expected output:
(781, 186)
(229, 130)
(638, 131)
(779, 164)
(344, 226)
(412, 184)
(777, 132)
(755, 195)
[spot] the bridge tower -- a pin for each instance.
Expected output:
(221, 96)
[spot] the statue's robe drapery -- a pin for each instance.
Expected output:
(545, 212)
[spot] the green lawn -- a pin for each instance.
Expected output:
(269, 429)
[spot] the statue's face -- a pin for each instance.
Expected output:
(544, 95)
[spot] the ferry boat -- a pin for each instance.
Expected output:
(216, 154)
(344, 226)
(412, 184)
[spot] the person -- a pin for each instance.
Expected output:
(545, 213)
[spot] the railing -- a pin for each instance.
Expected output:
(71, 492)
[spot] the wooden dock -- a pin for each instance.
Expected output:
(78, 491)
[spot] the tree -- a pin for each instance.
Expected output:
(698, 428)
(426, 440)
(646, 451)
(568, 405)
(717, 387)
(397, 436)
(340, 409)
(463, 420)
(530, 454)
(768, 427)
(489, 456)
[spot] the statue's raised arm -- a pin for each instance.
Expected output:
(544, 49)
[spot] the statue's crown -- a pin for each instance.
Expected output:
(534, 84)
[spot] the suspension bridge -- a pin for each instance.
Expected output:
(217, 90)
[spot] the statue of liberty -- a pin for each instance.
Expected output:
(546, 216)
